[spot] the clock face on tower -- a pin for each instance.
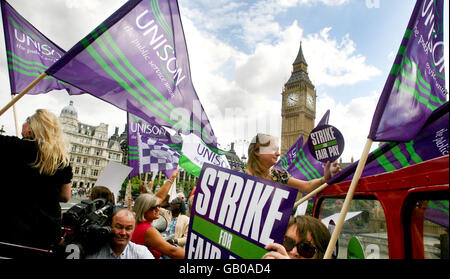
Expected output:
(310, 100)
(291, 99)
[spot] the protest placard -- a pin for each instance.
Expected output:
(235, 215)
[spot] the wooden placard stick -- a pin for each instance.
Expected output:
(348, 199)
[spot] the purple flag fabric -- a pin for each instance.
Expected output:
(151, 147)
(437, 212)
(299, 162)
(431, 142)
(416, 84)
(29, 53)
(138, 56)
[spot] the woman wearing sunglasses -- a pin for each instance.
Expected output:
(306, 238)
(263, 153)
(146, 208)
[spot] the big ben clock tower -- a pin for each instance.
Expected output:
(298, 109)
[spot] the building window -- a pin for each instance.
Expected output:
(77, 170)
(97, 162)
(94, 172)
(86, 150)
(83, 171)
(80, 149)
(84, 160)
(74, 148)
(78, 159)
(98, 152)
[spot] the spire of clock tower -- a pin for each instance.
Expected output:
(300, 69)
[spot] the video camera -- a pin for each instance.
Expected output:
(87, 227)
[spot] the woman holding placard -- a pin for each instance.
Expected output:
(263, 153)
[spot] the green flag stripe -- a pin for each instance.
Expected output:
(160, 18)
(403, 88)
(33, 74)
(410, 76)
(385, 163)
(239, 246)
(133, 152)
(130, 66)
(311, 169)
(382, 160)
(133, 81)
(302, 170)
(132, 147)
(133, 157)
(435, 206)
(412, 152)
(304, 166)
(119, 80)
(32, 68)
(399, 156)
(10, 53)
(408, 33)
(144, 80)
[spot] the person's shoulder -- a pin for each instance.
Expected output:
(140, 251)
(183, 217)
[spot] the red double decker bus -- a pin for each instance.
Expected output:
(397, 215)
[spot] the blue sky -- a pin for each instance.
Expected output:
(241, 54)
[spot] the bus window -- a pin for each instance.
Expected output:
(429, 229)
(365, 221)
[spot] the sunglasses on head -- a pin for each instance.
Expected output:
(305, 249)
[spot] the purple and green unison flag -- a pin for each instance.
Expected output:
(138, 56)
(299, 162)
(30, 53)
(150, 147)
(430, 142)
(416, 84)
(235, 215)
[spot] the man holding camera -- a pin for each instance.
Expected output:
(120, 246)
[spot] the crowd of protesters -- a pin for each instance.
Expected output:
(41, 162)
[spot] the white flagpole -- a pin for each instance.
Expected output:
(15, 118)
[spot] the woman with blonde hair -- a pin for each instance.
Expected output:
(36, 176)
(263, 153)
(146, 208)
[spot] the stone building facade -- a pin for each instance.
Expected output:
(90, 148)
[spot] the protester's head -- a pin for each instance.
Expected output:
(178, 206)
(306, 238)
(263, 153)
(181, 196)
(101, 192)
(45, 128)
(123, 224)
(146, 208)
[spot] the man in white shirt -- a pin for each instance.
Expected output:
(120, 247)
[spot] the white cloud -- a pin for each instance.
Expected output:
(352, 120)
(241, 92)
(334, 63)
